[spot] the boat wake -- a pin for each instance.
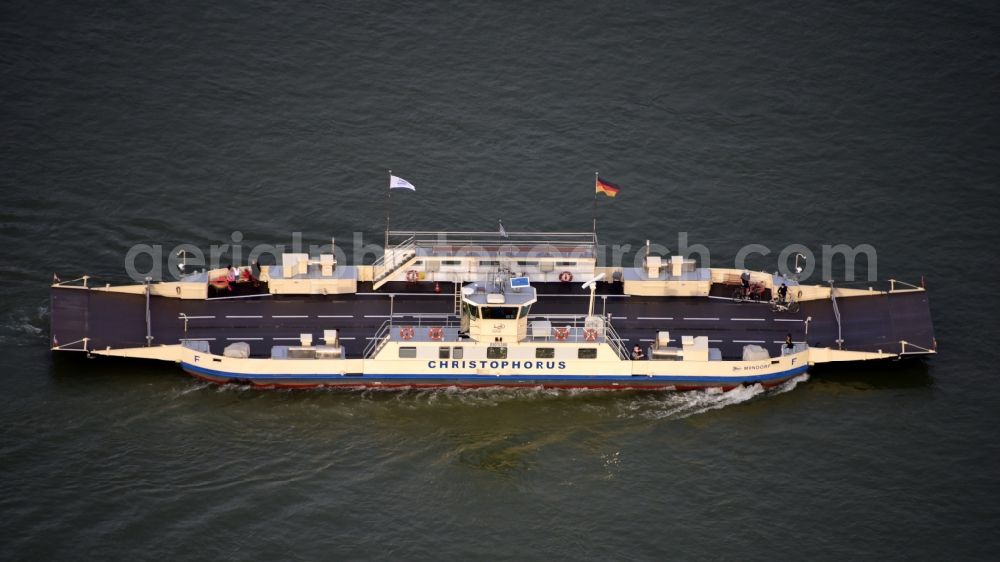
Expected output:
(627, 404)
(649, 405)
(22, 328)
(197, 387)
(682, 405)
(489, 396)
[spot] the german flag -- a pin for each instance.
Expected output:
(607, 188)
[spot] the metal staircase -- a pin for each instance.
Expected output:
(394, 259)
(404, 260)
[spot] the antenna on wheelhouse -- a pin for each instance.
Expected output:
(498, 274)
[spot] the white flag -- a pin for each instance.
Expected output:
(503, 231)
(400, 183)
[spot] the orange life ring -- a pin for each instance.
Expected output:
(565, 277)
(435, 333)
(590, 334)
(412, 275)
(406, 332)
(561, 333)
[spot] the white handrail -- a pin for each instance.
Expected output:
(904, 343)
(400, 255)
(576, 333)
(586, 240)
(383, 334)
(892, 286)
(616, 341)
(61, 283)
(380, 338)
(64, 347)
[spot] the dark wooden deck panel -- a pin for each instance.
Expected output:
(118, 320)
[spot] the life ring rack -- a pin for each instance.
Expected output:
(566, 277)
(406, 333)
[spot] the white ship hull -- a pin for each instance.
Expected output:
(420, 373)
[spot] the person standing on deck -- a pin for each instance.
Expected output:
(255, 272)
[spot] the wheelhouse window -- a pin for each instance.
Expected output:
(472, 311)
(499, 312)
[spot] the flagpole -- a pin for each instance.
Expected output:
(496, 274)
(596, 176)
(388, 196)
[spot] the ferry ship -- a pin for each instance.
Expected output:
(477, 309)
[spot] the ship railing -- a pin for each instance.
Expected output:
(901, 348)
(887, 286)
(69, 346)
(399, 249)
(616, 341)
(906, 286)
(427, 320)
(391, 259)
(382, 337)
(576, 331)
(56, 282)
(576, 243)
(442, 319)
(836, 314)
(919, 350)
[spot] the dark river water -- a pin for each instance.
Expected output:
(773, 123)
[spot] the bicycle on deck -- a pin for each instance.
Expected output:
(753, 293)
(784, 305)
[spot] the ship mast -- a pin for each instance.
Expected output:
(388, 197)
(596, 177)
